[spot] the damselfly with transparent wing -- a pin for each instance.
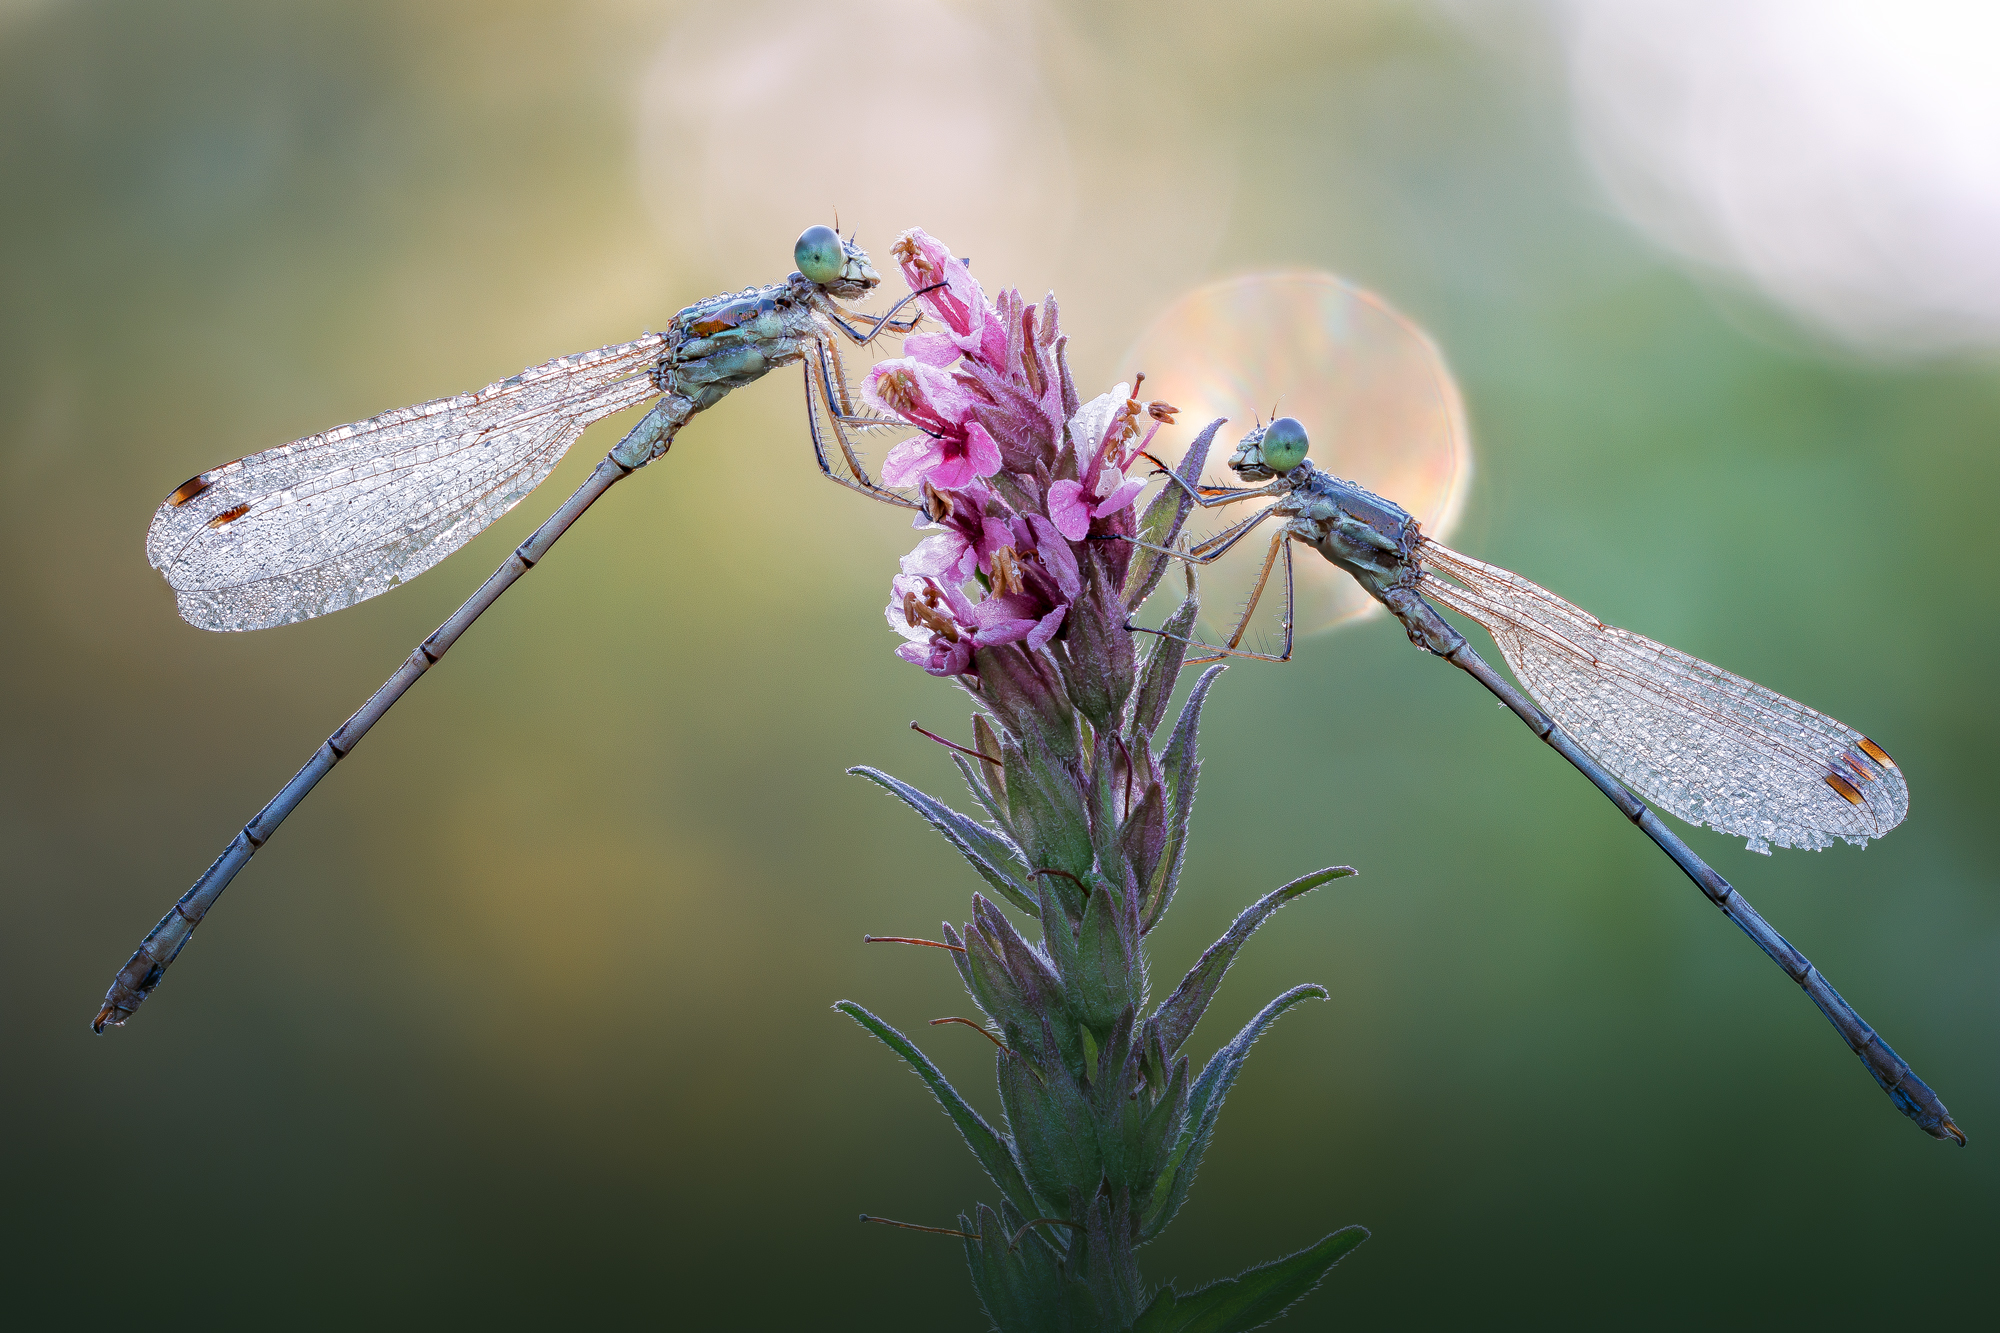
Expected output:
(336, 518)
(1637, 718)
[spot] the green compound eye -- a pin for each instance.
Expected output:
(819, 254)
(1284, 445)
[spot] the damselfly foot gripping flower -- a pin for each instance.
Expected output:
(1018, 597)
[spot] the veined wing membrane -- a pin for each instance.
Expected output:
(336, 518)
(1706, 744)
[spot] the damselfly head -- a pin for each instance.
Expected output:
(839, 266)
(820, 254)
(1270, 451)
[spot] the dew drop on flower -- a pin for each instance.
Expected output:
(1368, 384)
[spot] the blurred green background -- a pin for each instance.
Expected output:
(524, 1017)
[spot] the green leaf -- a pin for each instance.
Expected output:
(1204, 1104)
(1165, 652)
(1058, 931)
(1179, 1012)
(1178, 768)
(1253, 1297)
(1025, 1288)
(1096, 649)
(996, 988)
(991, 854)
(991, 1150)
(1163, 518)
(1045, 808)
(1106, 973)
(1054, 1133)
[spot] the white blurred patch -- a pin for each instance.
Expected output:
(760, 120)
(1843, 155)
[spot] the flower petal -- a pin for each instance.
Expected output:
(980, 450)
(1045, 628)
(907, 463)
(1092, 422)
(1066, 507)
(933, 349)
(1127, 492)
(946, 556)
(1056, 555)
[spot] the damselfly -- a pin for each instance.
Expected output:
(336, 518)
(1637, 718)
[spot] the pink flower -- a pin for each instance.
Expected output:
(1034, 581)
(972, 327)
(1105, 435)
(953, 449)
(967, 542)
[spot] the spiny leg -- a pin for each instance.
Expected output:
(1208, 497)
(1279, 544)
(882, 323)
(860, 482)
(829, 378)
(832, 373)
(1205, 552)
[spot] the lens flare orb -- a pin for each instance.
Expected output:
(1371, 387)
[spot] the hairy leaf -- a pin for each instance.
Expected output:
(1253, 1297)
(992, 1151)
(1165, 652)
(1163, 518)
(1024, 1287)
(1179, 768)
(1204, 1104)
(992, 854)
(1053, 1132)
(1179, 1012)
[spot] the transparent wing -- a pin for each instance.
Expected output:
(336, 518)
(1705, 744)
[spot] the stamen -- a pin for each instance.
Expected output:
(1030, 362)
(928, 615)
(987, 758)
(1160, 411)
(910, 939)
(936, 507)
(912, 1226)
(1037, 1222)
(1127, 753)
(976, 1028)
(1007, 571)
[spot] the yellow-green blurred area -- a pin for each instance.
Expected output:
(522, 1020)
